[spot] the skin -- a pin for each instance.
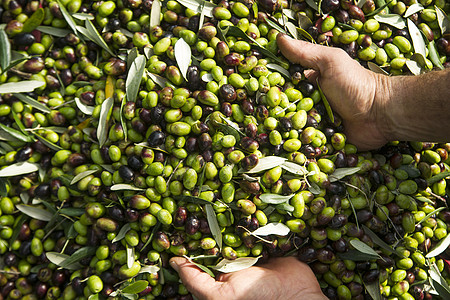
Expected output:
(375, 109)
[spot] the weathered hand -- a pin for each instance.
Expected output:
(280, 278)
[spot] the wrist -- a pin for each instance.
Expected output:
(385, 106)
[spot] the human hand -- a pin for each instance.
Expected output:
(355, 93)
(280, 278)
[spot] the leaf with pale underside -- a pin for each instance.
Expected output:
(182, 56)
(272, 228)
(19, 168)
(267, 163)
(275, 198)
(103, 128)
(25, 86)
(241, 263)
(213, 224)
(35, 212)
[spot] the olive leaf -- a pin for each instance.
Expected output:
(96, 37)
(292, 30)
(125, 187)
(355, 255)
(207, 77)
(437, 177)
(379, 9)
(241, 263)
(270, 55)
(149, 240)
(32, 102)
(58, 32)
(434, 55)
(122, 232)
(34, 21)
(376, 68)
(83, 16)
(82, 175)
(412, 9)
(438, 282)
(47, 142)
(417, 38)
(391, 19)
(67, 16)
(364, 248)
(200, 266)
(155, 14)
(285, 207)
(289, 13)
(136, 287)
(312, 4)
(192, 199)
(94, 297)
(304, 22)
(442, 19)
(325, 102)
(267, 163)
(273, 24)
(159, 80)
(16, 134)
(340, 173)
(85, 109)
(134, 77)
(5, 50)
(182, 56)
(130, 256)
(440, 247)
(279, 69)
(202, 15)
(77, 256)
(19, 168)
(380, 242)
(314, 188)
(255, 9)
(195, 5)
(436, 211)
(57, 258)
(373, 288)
(3, 188)
(275, 198)
(272, 228)
(213, 224)
(20, 220)
(71, 211)
(102, 129)
(294, 168)
(131, 56)
(25, 86)
(149, 269)
(35, 212)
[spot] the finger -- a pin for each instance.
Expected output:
(196, 281)
(311, 75)
(304, 53)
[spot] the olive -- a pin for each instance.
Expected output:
(126, 173)
(156, 139)
(24, 39)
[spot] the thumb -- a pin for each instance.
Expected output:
(196, 281)
(304, 53)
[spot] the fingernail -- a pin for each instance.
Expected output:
(174, 265)
(285, 36)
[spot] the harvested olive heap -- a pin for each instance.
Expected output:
(132, 131)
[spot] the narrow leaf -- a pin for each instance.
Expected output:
(77, 256)
(32, 102)
(134, 77)
(355, 255)
(292, 30)
(275, 198)
(48, 143)
(82, 175)
(67, 17)
(35, 212)
(202, 267)
(434, 55)
(376, 68)
(16, 134)
(436, 211)
(294, 168)
(71, 211)
(125, 187)
(391, 19)
(25, 86)
(213, 224)
(342, 172)
(363, 248)
(155, 14)
(241, 263)
(5, 50)
(289, 13)
(19, 168)
(83, 16)
(440, 247)
(412, 171)
(312, 4)
(132, 55)
(97, 38)
(279, 69)
(196, 5)
(207, 77)
(378, 10)
(159, 80)
(325, 103)
(379, 241)
(130, 256)
(438, 177)
(412, 9)
(442, 20)
(285, 207)
(34, 21)
(149, 269)
(270, 55)
(274, 25)
(266, 163)
(136, 287)
(417, 38)
(192, 199)
(122, 232)
(304, 22)
(373, 289)
(58, 32)
(57, 258)
(102, 129)
(182, 56)
(272, 228)
(85, 109)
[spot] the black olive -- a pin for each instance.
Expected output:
(24, 39)
(135, 163)
(126, 173)
(156, 138)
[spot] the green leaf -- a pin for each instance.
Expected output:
(24, 86)
(434, 55)
(340, 173)
(201, 267)
(159, 80)
(34, 21)
(82, 175)
(153, 269)
(77, 256)
(3, 188)
(442, 19)
(130, 256)
(57, 258)
(380, 242)
(355, 255)
(373, 289)
(21, 219)
(391, 19)
(149, 240)
(131, 56)
(102, 129)
(412, 171)
(58, 32)
(274, 25)
(35, 212)
(32, 102)
(134, 77)
(196, 5)
(213, 224)
(304, 22)
(438, 177)
(71, 211)
(96, 37)
(440, 247)
(325, 103)
(379, 9)
(267, 163)
(438, 282)
(364, 248)
(67, 17)
(136, 287)
(155, 14)
(312, 4)
(292, 30)
(123, 122)
(285, 207)
(279, 69)
(85, 109)
(275, 198)
(294, 168)
(19, 168)
(241, 263)
(5, 50)
(122, 232)
(48, 143)
(376, 68)
(16, 134)
(19, 123)
(436, 211)
(192, 199)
